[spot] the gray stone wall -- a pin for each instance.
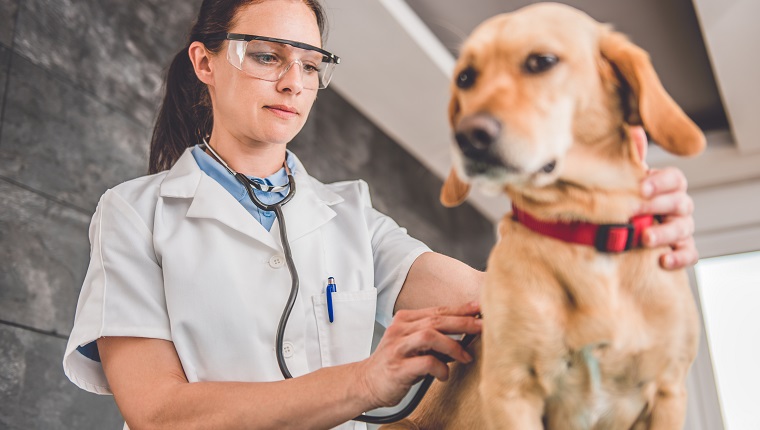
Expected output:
(79, 86)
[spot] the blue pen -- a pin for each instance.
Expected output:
(331, 288)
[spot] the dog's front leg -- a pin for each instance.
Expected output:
(669, 408)
(511, 403)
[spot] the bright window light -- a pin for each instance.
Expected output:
(729, 288)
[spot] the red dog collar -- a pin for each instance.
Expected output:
(604, 237)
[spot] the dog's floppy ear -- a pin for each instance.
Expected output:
(649, 104)
(453, 110)
(454, 190)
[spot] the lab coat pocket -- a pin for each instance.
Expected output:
(349, 337)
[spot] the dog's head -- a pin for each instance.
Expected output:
(535, 88)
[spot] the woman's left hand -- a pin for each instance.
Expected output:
(664, 193)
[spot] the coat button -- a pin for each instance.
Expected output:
(288, 349)
(277, 261)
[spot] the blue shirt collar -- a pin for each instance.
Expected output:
(217, 172)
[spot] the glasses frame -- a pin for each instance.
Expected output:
(327, 56)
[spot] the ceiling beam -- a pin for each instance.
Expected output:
(397, 73)
(731, 35)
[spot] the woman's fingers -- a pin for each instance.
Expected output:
(684, 254)
(452, 320)
(677, 203)
(427, 364)
(663, 181)
(422, 331)
(672, 231)
(423, 342)
(664, 192)
(449, 324)
(676, 232)
(406, 315)
(640, 141)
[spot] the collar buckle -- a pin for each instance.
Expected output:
(614, 238)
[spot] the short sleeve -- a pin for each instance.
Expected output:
(393, 253)
(122, 294)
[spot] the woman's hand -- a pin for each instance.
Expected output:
(664, 193)
(404, 354)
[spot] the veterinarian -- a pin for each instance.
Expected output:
(179, 311)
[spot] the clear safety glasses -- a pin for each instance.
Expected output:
(269, 58)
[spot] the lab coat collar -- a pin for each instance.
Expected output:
(308, 210)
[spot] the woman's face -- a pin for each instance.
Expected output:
(255, 111)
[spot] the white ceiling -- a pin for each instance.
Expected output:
(397, 58)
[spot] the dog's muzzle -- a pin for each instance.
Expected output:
(477, 136)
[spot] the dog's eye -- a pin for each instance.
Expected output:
(466, 78)
(538, 63)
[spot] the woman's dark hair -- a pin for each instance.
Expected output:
(186, 117)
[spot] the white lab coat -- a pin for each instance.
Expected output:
(176, 257)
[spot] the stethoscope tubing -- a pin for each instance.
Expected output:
(294, 286)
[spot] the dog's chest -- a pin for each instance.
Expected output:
(593, 387)
(594, 366)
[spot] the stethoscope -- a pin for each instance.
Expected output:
(249, 185)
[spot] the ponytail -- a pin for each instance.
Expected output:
(186, 115)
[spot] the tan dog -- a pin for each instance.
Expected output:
(573, 337)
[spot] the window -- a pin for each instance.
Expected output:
(729, 288)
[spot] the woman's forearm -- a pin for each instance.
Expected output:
(318, 400)
(152, 392)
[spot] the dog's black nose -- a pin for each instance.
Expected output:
(475, 135)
